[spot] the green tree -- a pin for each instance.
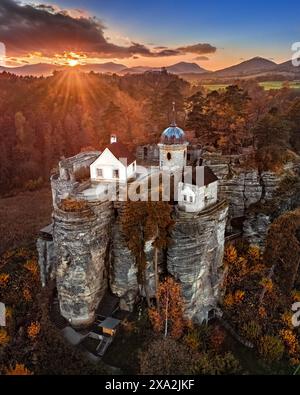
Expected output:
(272, 134)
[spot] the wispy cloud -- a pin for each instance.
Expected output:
(202, 57)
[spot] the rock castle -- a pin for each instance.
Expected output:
(85, 251)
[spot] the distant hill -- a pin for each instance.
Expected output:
(138, 70)
(185, 67)
(252, 66)
(178, 68)
(33, 69)
(48, 69)
(109, 67)
(288, 67)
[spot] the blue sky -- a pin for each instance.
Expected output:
(238, 29)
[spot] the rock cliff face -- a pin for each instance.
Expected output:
(285, 197)
(81, 242)
(47, 259)
(195, 258)
(245, 188)
(123, 270)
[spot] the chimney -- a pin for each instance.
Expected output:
(113, 138)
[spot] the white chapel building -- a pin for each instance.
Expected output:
(115, 163)
(197, 186)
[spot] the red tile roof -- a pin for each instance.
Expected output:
(120, 152)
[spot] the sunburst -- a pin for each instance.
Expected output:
(73, 62)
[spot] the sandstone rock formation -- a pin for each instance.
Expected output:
(124, 273)
(47, 254)
(81, 242)
(244, 188)
(86, 250)
(195, 258)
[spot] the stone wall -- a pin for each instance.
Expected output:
(61, 189)
(172, 157)
(195, 258)
(148, 152)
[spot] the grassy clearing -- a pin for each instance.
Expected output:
(267, 85)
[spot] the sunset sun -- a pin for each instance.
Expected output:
(73, 62)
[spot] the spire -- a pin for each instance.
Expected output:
(173, 118)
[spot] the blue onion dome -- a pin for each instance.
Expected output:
(173, 135)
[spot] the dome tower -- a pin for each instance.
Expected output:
(172, 147)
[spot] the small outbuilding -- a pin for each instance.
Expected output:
(198, 189)
(109, 326)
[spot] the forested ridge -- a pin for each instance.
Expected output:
(44, 119)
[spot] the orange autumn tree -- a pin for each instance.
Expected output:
(167, 317)
(4, 337)
(18, 370)
(33, 330)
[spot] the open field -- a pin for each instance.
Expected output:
(22, 216)
(278, 84)
(267, 85)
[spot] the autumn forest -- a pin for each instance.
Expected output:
(43, 120)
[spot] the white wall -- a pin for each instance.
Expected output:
(211, 193)
(203, 197)
(108, 162)
(131, 170)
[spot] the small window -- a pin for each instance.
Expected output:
(133, 166)
(115, 173)
(145, 152)
(185, 198)
(169, 156)
(100, 173)
(191, 199)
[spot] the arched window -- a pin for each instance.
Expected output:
(169, 156)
